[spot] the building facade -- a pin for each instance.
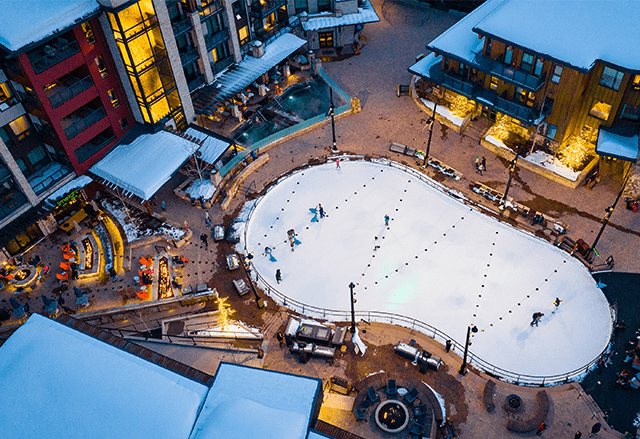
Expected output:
(558, 94)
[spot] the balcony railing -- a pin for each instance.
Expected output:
(84, 123)
(217, 38)
(67, 92)
(195, 83)
(190, 56)
(47, 176)
(181, 27)
(463, 87)
(49, 56)
(259, 10)
(509, 73)
(29, 99)
(210, 9)
(93, 146)
(514, 109)
(221, 65)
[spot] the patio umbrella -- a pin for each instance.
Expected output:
(14, 303)
(78, 292)
(46, 300)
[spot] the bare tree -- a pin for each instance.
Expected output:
(196, 167)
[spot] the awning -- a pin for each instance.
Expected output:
(366, 14)
(141, 167)
(423, 67)
(211, 147)
(206, 99)
(76, 183)
(617, 145)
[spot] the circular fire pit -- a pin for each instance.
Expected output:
(24, 275)
(392, 416)
(513, 404)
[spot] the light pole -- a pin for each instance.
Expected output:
(353, 311)
(607, 215)
(433, 121)
(512, 170)
(463, 367)
(334, 148)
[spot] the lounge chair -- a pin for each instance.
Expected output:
(392, 389)
(372, 395)
(411, 396)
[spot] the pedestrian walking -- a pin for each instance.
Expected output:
(386, 220)
(186, 225)
(163, 205)
(447, 346)
(321, 211)
(280, 337)
(337, 163)
(207, 220)
(556, 302)
(278, 276)
(542, 427)
(202, 203)
(478, 164)
(536, 318)
(204, 240)
(483, 164)
(578, 435)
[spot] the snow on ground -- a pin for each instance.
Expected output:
(439, 262)
(201, 189)
(444, 112)
(440, 399)
(132, 225)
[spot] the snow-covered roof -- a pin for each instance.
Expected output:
(55, 378)
(575, 32)
(313, 434)
(245, 403)
(144, 165)
(212, 148)
(422, 67)
(76, 183)
(617, 146)
(250, 68)
(460, 41)
(366, 14)
(24, 22)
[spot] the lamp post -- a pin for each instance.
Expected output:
(607, 215)
(463, 367)
(512, 169)
(353, 312)
(334, 148)
(433, 121)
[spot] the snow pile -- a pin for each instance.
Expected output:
(361, 348)
(440, 262)
(201, 189)
(552, 164)
(52, 375)
(444, 112)
(440, 402)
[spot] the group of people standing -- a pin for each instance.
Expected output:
(481, 164)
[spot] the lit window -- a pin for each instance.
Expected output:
(102, 68)
(123, 123)
(20, 127)
(508, 55)
(552, 130)
(113, 97)
(5, 96)
(88, 33)
(636, 82)
(557, 72)
(611, 78)
(214, 55)
(527, 62)
(630, 112)
(326, 39)
(494, 83)
(521, 94)
(243, 34)
(600, 110)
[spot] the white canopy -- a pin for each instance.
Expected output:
(366, 14)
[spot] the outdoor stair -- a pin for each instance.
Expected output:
(477, 129)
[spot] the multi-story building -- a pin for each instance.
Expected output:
(558, 76)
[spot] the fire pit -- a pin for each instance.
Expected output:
(513, 404)
(164, 280)
(88, 254)
(24, 276)
(392, 416)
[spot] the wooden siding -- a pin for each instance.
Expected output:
(334, 432)
(134, 349)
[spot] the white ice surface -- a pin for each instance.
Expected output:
(255, 403)
(58, 382)
(475, 270)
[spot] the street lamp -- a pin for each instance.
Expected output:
(512, 170)
(607, 215)
(353, 312)
(463, 368)
(334, 148)
(433, 121)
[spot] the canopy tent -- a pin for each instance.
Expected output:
(212, 147)
(366, 14)
(141, 167)
(617, 145)
(206, 99)
(76, 183)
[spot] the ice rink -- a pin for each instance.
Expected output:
(439, 261)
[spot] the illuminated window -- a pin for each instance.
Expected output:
(243, 35)
(508, 55)
(102, 68)
(123, 123)
(113, 97)
(494, 83)
(557, 73)
(630, 112)
(600, 110)
(611, 78)
(88, 33)
(636, 82)
(5, 96)
(326, 39)
(552, 130)
(20, 127)
(214, 55)
(521, 94)
(527, 62)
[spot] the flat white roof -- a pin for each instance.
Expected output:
(76, 183)
(212, 148)
(57, 381)
(616, 145)
(366, 14)
(26, 21)
(144, 165)
(246, 403)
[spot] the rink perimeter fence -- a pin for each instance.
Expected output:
(410, 322)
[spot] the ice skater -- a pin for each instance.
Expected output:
(278, 276)
(321, 211)
(536, 318)
(386, 220)
(337, 163)
(163, 205)
(557, 302)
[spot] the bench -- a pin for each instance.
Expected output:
(489, 389)
(528, 425)
(403, 90)
(402, 149)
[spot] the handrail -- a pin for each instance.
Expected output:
(413, 323)
(67, 92)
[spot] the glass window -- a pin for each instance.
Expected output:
(326, 39)
(494, 83)
(538, 69)
(88, 33)
(123, 123)
(630, 112)
(552, 130)
(636, 82)
(521, 94)
(611, 78)
(113, 97)
(489, 43)
(527, 62)
(600, 110)
(508, 55)
(20, 127)
(324, 5)
(5, 96)
(243, 34)
(102, 68)
(38, 157)
(302, 6)
(557, 73)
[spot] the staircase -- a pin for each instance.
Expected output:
(477, 129)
